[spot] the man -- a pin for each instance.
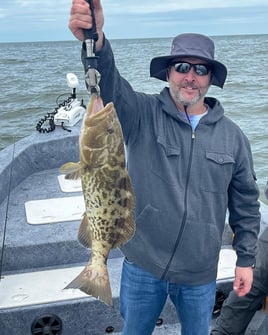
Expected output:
(237, 312)
(188, 163)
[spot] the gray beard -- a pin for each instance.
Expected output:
(181, 100)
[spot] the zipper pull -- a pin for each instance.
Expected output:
(193, 134)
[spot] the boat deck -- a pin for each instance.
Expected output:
(40, 213)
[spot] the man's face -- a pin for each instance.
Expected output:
(189, 84)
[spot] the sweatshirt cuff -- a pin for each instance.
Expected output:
(246, 261)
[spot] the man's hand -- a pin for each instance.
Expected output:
(80, 18)
(243, 280)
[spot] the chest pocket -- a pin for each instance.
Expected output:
(217, 172)
(165, 161)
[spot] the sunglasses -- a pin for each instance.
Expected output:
(185, 67)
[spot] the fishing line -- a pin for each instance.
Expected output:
(7, 209)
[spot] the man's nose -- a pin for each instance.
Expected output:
(191, 75)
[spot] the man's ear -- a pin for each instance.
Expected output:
(167, 73)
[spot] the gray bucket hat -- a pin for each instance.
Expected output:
(190, 45)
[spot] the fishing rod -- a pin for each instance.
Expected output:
(92, 76)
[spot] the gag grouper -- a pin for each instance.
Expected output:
(109, 198)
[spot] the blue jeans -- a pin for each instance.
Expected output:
(142, 298)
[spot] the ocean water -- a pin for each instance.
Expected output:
(33, 75)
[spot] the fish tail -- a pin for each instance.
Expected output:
(94, 282)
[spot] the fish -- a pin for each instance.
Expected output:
(108, 221)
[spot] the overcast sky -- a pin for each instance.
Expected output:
(47, 20)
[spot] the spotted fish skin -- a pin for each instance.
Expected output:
(109, 198)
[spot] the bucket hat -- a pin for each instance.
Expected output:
(190, 45)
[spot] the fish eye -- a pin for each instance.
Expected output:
(110, 130)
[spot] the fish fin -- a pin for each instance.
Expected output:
(84, 234)
(94, 281)
(125, 232)
(71, 170)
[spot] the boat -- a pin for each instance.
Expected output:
(40, 212)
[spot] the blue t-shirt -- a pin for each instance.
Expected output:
(194, 119)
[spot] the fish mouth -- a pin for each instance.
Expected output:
(96, 109)
(96, 104)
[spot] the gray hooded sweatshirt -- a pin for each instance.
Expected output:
(184, 182)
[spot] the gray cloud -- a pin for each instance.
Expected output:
(30, 20)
